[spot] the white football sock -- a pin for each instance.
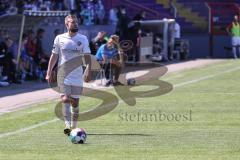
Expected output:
(74, 118)
(66, 114)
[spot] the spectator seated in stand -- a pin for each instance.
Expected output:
(157, 47)
(9, 61)
(40, 58)
(2, 64)
(27, 63)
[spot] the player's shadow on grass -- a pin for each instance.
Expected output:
(119, 134)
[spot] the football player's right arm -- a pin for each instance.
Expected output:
(52, 61)
(54, 58)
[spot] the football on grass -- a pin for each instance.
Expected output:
(78, 136)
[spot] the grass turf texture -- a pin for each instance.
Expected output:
(212, 131)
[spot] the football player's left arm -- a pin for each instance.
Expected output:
(87, 73)
(87, 59)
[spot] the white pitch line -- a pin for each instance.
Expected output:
(205, 77)
(24, 113)
(177, 85)
(37, 110)
(178, 75)
(27, 128)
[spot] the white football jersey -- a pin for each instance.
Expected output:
(68, 48)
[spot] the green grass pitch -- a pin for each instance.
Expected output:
(206, 124)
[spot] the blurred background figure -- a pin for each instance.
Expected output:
(157, 47)
(122, 25)
(175, 40)
(234, 31)
(100, 12)
(113, 19)
(71, 4)
(9, 49)
(176, 30)
(31, 5)
(4, 6)
(88, 14)
(97, 41)
(28, 66)
(58, 5)
(140, 16)
(40, 58)
(3, 76)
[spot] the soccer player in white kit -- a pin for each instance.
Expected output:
(68, 46)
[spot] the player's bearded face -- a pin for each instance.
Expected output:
(73, 25)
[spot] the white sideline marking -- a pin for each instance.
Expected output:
(179, 75)
(37, 110)
(177, 85)
(24, 113)
(27, 128)
(205, 77)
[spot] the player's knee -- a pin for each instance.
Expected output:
(65, 99)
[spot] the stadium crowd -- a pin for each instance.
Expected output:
(89, 11)
(34, 60)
